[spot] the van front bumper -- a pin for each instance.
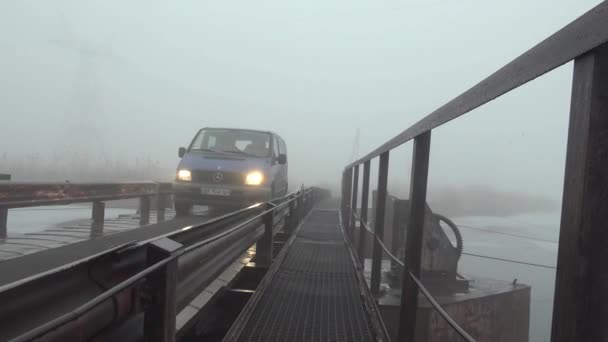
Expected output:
(239, 195)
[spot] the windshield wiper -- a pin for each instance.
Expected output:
(205, 150)
(239, 152)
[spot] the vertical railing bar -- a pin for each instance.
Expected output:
(144, 210)
(364, 209)
(160, 316)
(3, 222)
(348, 182)
(415, 230)
(353, 203)
(581, 298)
(379, 223)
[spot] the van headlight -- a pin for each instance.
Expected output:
(184, 175)
(254, 178)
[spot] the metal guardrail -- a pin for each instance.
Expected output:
(581, 276)
(35, 194)
(156, 278)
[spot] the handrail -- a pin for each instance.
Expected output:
(74, 314)
(294, 198)
(33, 194)
(579, 37)
(37, 194)
(419, 284)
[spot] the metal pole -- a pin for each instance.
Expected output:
(159, 318)
(263, 249)
(348, 182)
(399, 219)
(98, 212)
(581, 286)
(144, 210)
(292, 219)
(3, 222)
(364, 209)
(379, 224)
(415, 230)
(161, 203)
(98, 218)
(353, 203)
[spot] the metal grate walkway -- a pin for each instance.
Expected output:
(314, 295)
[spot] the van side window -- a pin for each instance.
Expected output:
(282, 147)
(275, 147)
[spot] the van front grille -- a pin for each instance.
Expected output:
(218, 177)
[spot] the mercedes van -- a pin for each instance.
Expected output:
(225, 168)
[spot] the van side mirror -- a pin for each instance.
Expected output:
(181, 152)
(282, 159)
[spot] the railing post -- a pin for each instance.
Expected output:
(144, 210)
(263, 249)
(159, 317)
(399, 210)
(364, 210)
(97, 215)
(379, 224)
(348, 182)
(161, 203)
(353, 204)
(292, 219)
(581, 285)
(415, 229)
(98, 212)
(3, 222)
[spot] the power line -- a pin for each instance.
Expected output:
(508, 234)
(508, 260)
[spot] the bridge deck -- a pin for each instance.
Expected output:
(314, 295)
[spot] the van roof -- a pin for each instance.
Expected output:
(241, 129)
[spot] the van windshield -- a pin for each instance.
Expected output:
(232, 141)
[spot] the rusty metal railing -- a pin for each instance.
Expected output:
(35, 194)
(163, 274)
(582, 276)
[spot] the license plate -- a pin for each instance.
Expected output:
(215, 192)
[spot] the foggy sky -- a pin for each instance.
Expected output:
(312, 71)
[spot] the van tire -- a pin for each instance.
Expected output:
(182, 208)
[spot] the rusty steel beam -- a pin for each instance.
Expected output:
(31, 194)
(581, 286)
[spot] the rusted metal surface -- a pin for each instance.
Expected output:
(490, 311)
(581, 288)
(582, 35)
(21, 194)
(15, 245)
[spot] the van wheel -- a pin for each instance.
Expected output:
(182, 208)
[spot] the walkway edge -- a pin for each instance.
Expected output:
(241, 321)
(366, 295)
